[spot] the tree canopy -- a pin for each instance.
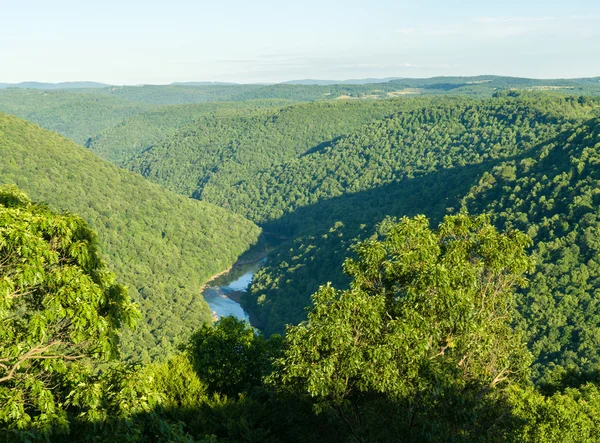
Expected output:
(427, 320)
(59, 305)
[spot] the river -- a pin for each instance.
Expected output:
(233, 283)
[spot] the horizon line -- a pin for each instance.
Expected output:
(307, 79)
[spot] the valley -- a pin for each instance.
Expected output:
(301, 256)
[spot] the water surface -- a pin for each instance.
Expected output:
(237, 280)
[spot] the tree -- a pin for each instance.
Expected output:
(232, 357)
(423, 334)
(60, 308)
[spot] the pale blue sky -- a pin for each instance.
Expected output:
(133, 42)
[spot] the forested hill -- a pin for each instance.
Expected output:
(163, 246)
(441, 158)
(137, 133)
(222, 149)
(82, 114)
(440, 134)
(554, 196)
(76, 115)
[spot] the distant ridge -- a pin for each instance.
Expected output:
(203, 84)
(361, 81)
(303, 82)
(63, 85)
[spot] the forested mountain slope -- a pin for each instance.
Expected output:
(139, 132)
(554, 196)
(76, 115)
(434, 157)
(218, 151)
(439, 134)
(83, 113)
(163, 246)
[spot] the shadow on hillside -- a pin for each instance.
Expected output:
(433, 194)
(320, 234)
(321, 146)
(430, 194)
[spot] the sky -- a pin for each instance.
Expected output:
(158, 42)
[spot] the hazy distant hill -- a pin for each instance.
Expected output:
(81, 114)
(361, 81)
(202, 83)
(64, 85)
(75, 114)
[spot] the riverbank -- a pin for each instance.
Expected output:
(214, 277)
(243, 260)
(231, 284)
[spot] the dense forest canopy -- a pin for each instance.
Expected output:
(163, 246)
(420, 348)
(76, 115)
(409, 143)
(425, 323)
(554, 195)
(139, 132)
(221, 149)
(546, 189)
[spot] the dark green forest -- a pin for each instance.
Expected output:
(432, 269)
(421, 347)
(322, 233)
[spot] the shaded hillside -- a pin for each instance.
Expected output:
(163, 246)
(441, 134)
(434, 156)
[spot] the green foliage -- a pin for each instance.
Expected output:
(426, 321)
(177, 382)
(162, 246)
(420, 161)
(569, 416)
(553, 195)
(417, 345)
(205, 159)
(81, 114)
(59, 307)
(420, 348)
(412, 142)
(138, 133)
(76, 115)
(231, 357)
